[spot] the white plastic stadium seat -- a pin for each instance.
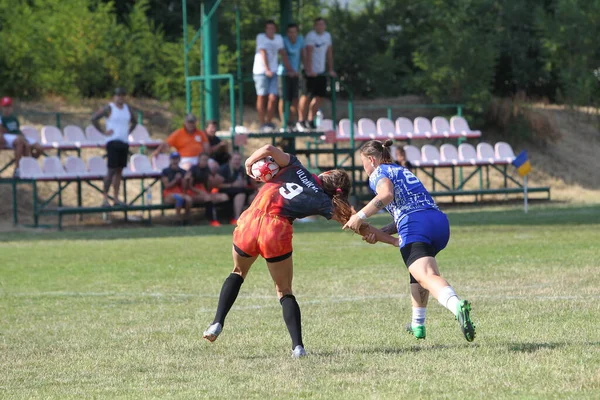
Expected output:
(31, 133)
(141, 165)
(160, 162)
(441, 128)
(404, 128)
(430, 155)
(344, 129)
(423, 128)
(75, 135)
(53, 168)
(485, 153)
(74, 166)
(503, 151)
(326, 125)
(97, 166)
(467, 154)
(385, 128)
(140, 135)
(52, 136)
(459, 126)
(29, 168)
(94, 136)
(367, 129)
(449, 154)
(413, 155)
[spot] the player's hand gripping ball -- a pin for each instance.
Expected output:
(265, 169)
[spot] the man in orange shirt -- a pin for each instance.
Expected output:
(188, 141)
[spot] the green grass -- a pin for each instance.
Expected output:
(119, 313)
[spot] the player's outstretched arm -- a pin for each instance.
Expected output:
(385, 195)
(373, 235)
(281, 158)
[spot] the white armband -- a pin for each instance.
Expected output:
(361, 215)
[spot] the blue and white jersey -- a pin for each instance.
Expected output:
(409, 193)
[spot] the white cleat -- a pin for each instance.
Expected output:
(298, 352)
(213, 332)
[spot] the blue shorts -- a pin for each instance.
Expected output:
(265, 85)
(427, 226)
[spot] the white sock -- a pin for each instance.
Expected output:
(418, 316)
(448, 299)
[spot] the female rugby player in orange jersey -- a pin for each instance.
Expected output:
(265, 229)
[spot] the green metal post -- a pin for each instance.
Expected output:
(14, 202)
(58, 120)
(140, 118)
(334, 117)
(459, 110)
(210, 54)
(186, 63)
(352, 146)
(240, 77)
(389, 113)
(232, 106)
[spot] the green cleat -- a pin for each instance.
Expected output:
(463, 315)
(417, 331)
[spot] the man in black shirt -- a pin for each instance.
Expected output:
(174, 188)
(236, 185)
(202, 184)
(218, 148)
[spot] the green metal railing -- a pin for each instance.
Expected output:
(229, 77)
(58, 118)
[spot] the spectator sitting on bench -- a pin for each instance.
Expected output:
(236, 185)
(218, 148)
(11, 136)
(188, 141)
(202, 188)
(399, 156)
(173, 188)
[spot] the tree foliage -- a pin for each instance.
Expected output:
(449, 50)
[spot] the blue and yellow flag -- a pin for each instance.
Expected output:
(522, 163)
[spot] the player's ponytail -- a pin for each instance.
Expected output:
(336, 184)
(378, 150)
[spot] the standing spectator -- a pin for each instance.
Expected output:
(188, 141)
(218, 148)
(202, 186)
(119, 121)
(11, 136)
(236, 185)
(268, 46)
(174, 188)
(319, 55)
(289, 86)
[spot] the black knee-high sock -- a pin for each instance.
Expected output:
(229, 292)
(292, 317)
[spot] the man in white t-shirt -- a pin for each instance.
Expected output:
(268, 46)
(319, 60)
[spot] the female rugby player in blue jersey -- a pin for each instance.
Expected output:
(422, 228)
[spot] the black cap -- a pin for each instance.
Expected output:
(120, 91)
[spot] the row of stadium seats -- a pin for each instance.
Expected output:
(466, 155)
(74, 137)
(402, 129)
(75, 168)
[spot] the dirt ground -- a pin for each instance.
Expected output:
(569, 166)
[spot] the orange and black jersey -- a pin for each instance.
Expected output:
(293, 193)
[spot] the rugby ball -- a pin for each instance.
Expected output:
(265, 169)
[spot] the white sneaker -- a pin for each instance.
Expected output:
(300, 127)
(298, 352)
(213, 332)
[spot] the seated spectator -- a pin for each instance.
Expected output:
(188, 141)
(173, 188)
(202, 186)
(236, 185)
(399, 156)
(11, 136)
(218, 148)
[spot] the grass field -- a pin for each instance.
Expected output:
(119, 313)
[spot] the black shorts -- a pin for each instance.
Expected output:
(117, 153)
(291, 89)
(316, 86)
